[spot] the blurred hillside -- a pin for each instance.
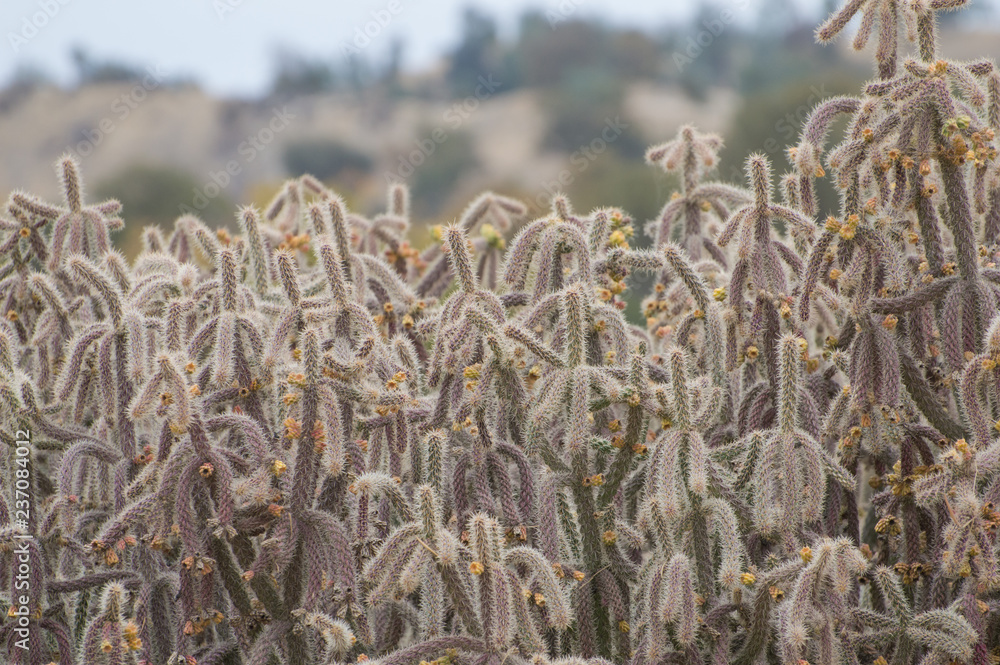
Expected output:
(567, 105)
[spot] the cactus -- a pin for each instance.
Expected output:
(313, 443)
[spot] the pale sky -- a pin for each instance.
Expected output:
(228, 45)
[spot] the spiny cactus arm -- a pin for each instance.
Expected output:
(33, 205)
(376, 269)
(135, 513)
(79, 450)
(45, 286)
(556, 604)
(549, 271)
(526, 479)
(336, 210)
(391, 571)
(69, 378)
(895, 597)
(288, 275)
(115, 263)
(975, 412)
(277, 345)
(598, 233)
(733, 224)
(789, 349)
(945, 631)
(817, 127)
(517, 261)
(574, 237)
(800, 225)
(424, 650)
(533, 344)
(94, 280)
(335, 277)
(375, 483)
(726, 527)
(459, 258)
(198, 234)
(249, 329)
(667, 155)
(661, 228)
(621, 466)
(679, 600)
(664, 481)
(226, 264)
(829, 465)
(576, 315)
(435, 278)
(958, 647)
(722, 194)
(488, 203)
(399, 546)
(88, 581)
(790, 258)
(224, 352)
(915, 299)
(887, 16)
(923, 396)
(317, 218)
(144, 293)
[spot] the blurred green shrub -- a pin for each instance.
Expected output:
(434, 181)
(150, 194)
(324, 159)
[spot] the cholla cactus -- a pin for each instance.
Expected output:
(693, 154)
(311, 442)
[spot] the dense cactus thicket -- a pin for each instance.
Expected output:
(310, 442)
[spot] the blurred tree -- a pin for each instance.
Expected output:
(547, 55)
(394, 67)
(610, 180)
(777, 17)
(26, 79)
(580, 108)
(358, 73)
(702, 53)
(634, 55)
(324, 158)
(90, 71)
(770, 62)
(475, 55)
(437, 178)
(29, 75)
(297, 75)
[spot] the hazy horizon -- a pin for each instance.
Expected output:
(229, 46)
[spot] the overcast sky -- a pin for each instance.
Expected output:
(228, 45)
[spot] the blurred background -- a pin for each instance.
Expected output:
(198, 105)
